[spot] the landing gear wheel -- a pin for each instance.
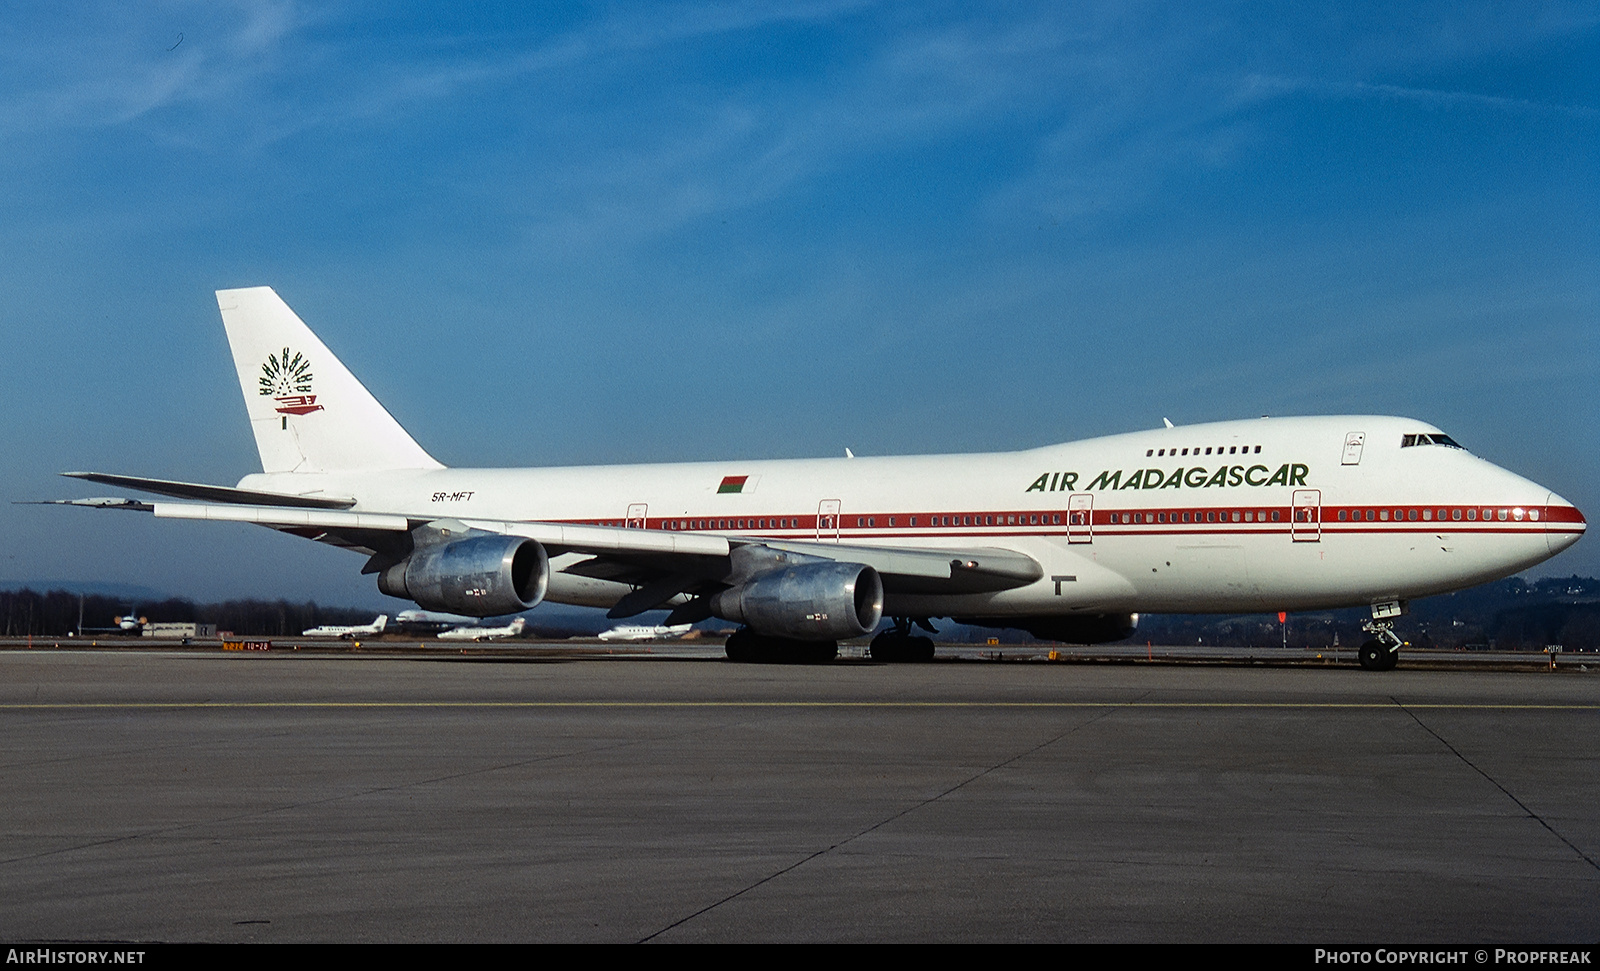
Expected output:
(894, 646)
(1377, 656)
(749, 647)
(741, 647)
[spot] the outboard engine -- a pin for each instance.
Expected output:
(481, 576)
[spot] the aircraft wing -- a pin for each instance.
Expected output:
(661, 564)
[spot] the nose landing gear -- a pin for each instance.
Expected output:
(1381, 653)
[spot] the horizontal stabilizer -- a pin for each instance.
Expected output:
(211, 493)
(135, 505)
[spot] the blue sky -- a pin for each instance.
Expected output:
(566, 234)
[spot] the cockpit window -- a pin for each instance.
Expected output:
(1434, 438)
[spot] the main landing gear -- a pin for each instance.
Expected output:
(1381, 653)
(898, 644)
(748, 646)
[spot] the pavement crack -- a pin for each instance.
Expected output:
(1496, 783)
(1103, 713)
(372, 790)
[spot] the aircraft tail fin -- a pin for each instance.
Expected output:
(381, 623)
(308, 412)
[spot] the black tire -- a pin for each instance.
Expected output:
(1375, 655)
(888, 647)
(742, 647)
(893, 647)
(748, 647)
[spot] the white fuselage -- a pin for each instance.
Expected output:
(1271, 514)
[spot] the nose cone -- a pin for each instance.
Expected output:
(1563, 523)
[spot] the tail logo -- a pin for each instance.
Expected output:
(287, 380)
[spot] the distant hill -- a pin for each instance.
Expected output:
(122, 591)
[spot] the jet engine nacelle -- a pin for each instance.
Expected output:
(1078, 629)
(481, 576)
(812, 601)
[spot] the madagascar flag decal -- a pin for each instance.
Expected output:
(732, 483)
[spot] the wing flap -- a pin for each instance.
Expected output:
(561, 538)
(908, 570)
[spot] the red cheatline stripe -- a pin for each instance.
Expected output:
(1554, 519)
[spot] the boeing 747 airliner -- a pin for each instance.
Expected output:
(1069, 542)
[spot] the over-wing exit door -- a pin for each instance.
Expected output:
(828, 520)
(1080, 518)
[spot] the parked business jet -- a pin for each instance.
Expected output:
(348, 632)
(1069, 542)
(639, 632)
(431, 620)
(120, 624)
(513, 629)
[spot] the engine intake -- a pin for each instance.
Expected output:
(481, 576)
(813, 601)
